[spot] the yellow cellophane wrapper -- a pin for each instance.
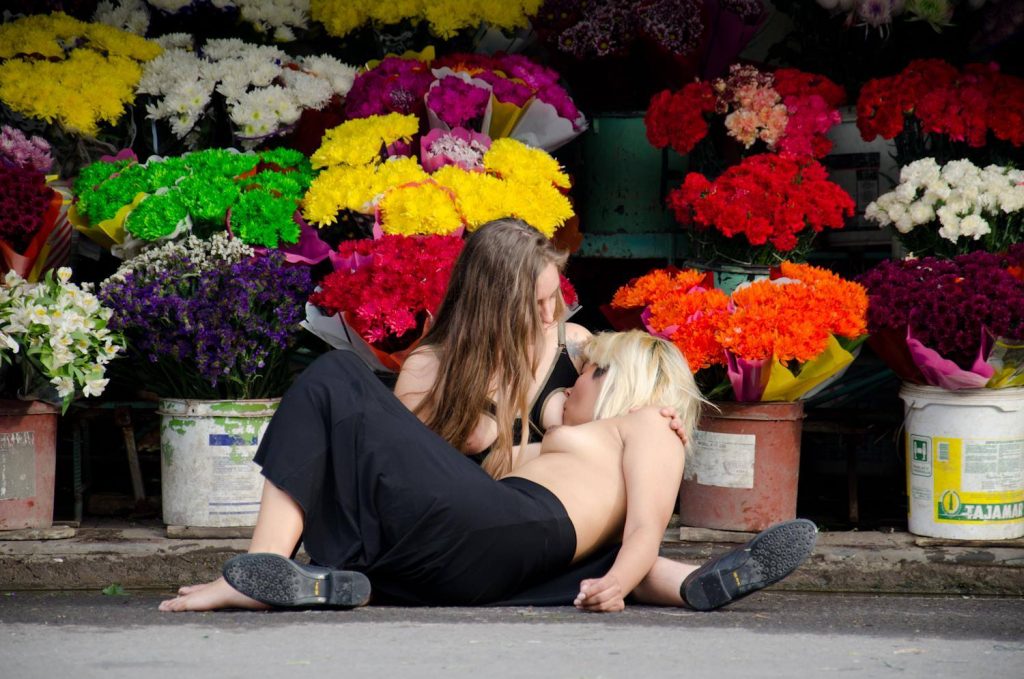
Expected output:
(504, 118)
(426, 55)
(783, 385)
(109, 232)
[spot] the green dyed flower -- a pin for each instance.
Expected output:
(208, 198)
(157, 216)
(261, 218)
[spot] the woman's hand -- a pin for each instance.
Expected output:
(603, 595)
(674, 422)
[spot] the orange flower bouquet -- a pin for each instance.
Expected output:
(780, 339)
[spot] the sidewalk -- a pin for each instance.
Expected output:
(141, 556)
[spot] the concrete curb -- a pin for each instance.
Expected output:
(145, 558)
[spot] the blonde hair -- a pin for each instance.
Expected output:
(487, 336)
(643, 370)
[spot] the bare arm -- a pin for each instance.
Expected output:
(652, 464)
(418, 375)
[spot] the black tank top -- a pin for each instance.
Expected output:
(562, 375)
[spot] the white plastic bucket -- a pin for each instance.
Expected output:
(208, 476)
(965, 462)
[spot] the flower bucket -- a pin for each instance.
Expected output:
(743, 469)
(28, 453)
(208, 478)
(965, 462)
(728, 277)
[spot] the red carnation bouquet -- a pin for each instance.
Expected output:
(767, 208)
(385, 290)
(932, 108)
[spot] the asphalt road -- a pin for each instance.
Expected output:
(88, 635)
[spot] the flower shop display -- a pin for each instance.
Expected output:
(500, 96)
(953, 208)
(209, 329)
(766, 209)
(34, 232)
(952, 329)
(933, 109)
(778, 342)
(368, 177)
(261, 90)
(80, 76)
(444, 18)
(788, 111)
(950, 323)
(125, 205)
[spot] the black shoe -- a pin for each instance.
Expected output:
(275, 580)
(772, 555)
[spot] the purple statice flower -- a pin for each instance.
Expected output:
(30, 153)
(674, 25)
(457, 102)
(220, 332)
(949, 303)
(395, 85)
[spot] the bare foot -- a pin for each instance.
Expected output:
(210, 597)
(188, 589)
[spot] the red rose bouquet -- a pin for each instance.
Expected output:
(766, 209)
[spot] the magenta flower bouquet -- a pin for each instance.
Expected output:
(950, 323)
(459, 102)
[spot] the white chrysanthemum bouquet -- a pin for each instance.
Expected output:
(955, 208)
(56, 332)
(263, 89)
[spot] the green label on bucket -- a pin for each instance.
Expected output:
(920, 456)
(951, 508)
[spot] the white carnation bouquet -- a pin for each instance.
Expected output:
(954, 208)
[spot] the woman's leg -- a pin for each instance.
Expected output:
(661, 584)
(278, 529)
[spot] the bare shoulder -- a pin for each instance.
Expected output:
(419, 371)
(648, 426)
(576, 337)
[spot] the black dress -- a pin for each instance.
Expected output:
(384, 495)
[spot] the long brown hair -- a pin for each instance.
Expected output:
(487, 336)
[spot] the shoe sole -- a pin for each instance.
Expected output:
(771, 556)
(275, 580)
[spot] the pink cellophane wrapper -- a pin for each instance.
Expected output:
(748, 377)
(943, 373)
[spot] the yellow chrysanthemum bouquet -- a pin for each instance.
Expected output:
(444, 17)
(368, 176)
(77, 75)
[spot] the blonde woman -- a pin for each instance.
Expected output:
(378, 499)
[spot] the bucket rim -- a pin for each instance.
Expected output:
(182, 407)
(960, 396)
